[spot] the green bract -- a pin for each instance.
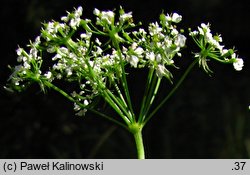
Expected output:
(95, 54)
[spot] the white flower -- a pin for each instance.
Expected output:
(98, 51)
(19, 51)
(218, 38)
(174, 32)
(161, 71)
(17, 83)
(154, 28)
(57, 56)
(52, 28)
(78, 11)
(51, 49)
(107, 16)
(176, 18)
(69, 71)
(26, 65)
(96, 12)
(63, 50)
(98, 41)
(59, 76)
(74, 94)
(21, 58)
(238, 64)
(224, 51)
(83, 35)
(168, 18)
(134, 45)
(150, 56)
(139, 51)
(81, 112)
(75, 22)
(37, 40)
(204, 29)
(126, 16)
(76, 107)
(82, 86)
(142, 31)
(167, 42)
(33, 53)
(48, 75)
(209, 37)
(194, 33)
(85, 102)
(64, 19)
(133, 60)
(180, 40)
(158, 58)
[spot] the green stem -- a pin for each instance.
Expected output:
(124, 77)
(139, 144)
(120, 104)
(123, 102)
(145, 96)
(152, 97)
(172, 91)
(117, 106)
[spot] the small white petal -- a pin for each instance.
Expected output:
(150, 56)
(160, 71)
(176, 18)
(19, 51)
(26, 65)
(133, 60)
(96, 12)
(180, 40)
(64, 18)
(85, 102)
(139, 51)
(48, 75)
(126, 16)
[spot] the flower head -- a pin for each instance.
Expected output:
(211, 48)
(104, 17)
(176, 18)
(125, 17)
(180, 40)
(238, 64)
(94, 55)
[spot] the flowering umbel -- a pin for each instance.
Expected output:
(95, 63)
(94, 56)
(211, 48)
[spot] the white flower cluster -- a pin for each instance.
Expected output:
(104, 17)
(84, 60)
(57, 30)
(157, 48)
(74, 19)
(211, 47)
(238, 63)
(94, 55)
(30, 63)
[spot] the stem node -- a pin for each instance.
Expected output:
(136, 130)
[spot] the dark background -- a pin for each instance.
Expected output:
(208, 117)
